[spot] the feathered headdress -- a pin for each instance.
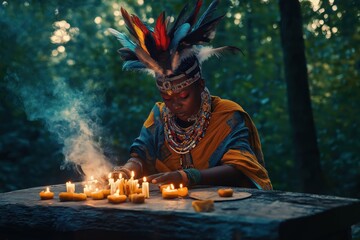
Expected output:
(172, 54)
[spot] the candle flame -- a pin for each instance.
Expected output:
(120, 176)
(172, 187)
(181, 185)
(132, 174)
(109, 176)
(144, 179)
(47, 189)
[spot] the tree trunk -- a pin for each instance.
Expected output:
(307, 156)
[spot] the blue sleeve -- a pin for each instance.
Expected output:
(150, 140)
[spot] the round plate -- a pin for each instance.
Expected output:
(210, 195)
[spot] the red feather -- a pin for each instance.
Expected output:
(140, 24)
(162, 40)
(192, 18)
(128, 21)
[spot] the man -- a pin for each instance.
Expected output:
(191, 137)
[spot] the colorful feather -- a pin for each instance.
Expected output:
(162, 49)
(141, 38)
(145, 58)
(205, 53)
(179, 21)
(161, 38)
(192, 17)
(203, 34)
(179, 34)
(207, 15)
(128, 21)
(133, 65)
(126, 54)
(124, 40)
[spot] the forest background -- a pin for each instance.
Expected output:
(61, 81)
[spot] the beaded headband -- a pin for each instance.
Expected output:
(185, 79)
(171, 52)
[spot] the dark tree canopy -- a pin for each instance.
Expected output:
(60, 75)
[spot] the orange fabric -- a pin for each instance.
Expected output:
(247, 164)
(250, 165)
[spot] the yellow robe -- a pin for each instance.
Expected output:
(221, 144)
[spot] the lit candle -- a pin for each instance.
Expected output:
(162, 187)
(121, 186)
(87, 191)
(97, 195)
(137, 188)
(170, 192)
(131, 183)
(45, 195)
(112, 186)
(182, 191)
(116, 198)
(90, 184)
(70, 187)
(145, 188)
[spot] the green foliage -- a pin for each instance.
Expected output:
(83, 56)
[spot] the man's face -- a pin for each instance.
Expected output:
(185, 103)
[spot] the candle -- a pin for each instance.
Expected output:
(182, 191)
(145, 188)
(116, 198)
(79, 197)
(97, 195)
(225, 192)
(112, 186)
(106, 192)
(162, 187)
(92, 183)
(137, 188)
(70, 187)
(132, 184)
(45, 195)
(69, 196)
(87, 191)
(121, 186)
(169, 192)
(137, 198)
(127, 187)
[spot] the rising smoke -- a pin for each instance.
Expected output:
(72, 116)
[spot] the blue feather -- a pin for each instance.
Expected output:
(179, 34)
(124, 40)
(133, 65)
(206, 16)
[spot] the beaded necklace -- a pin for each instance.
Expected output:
(183, 140)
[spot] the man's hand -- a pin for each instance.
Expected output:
(166, 178)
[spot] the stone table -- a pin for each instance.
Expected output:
(264, 215)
